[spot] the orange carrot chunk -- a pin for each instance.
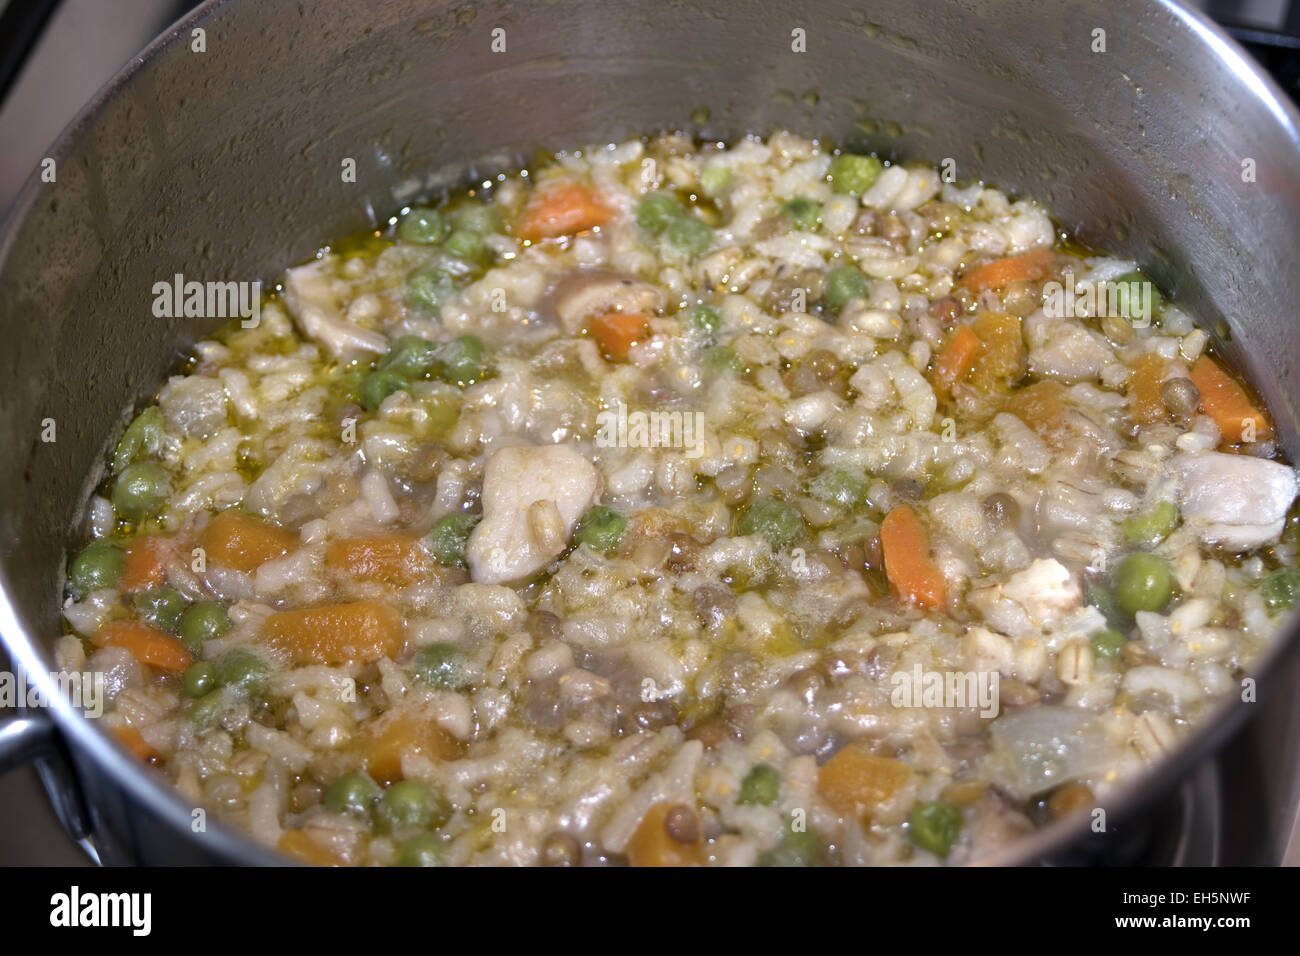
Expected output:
(908, 567)
(617, 332)
(1001, 272)
(148, 645)
(957, 357)
(1146, 389)
(563, 210)
(145, 562)
(1042, 407)
(413, 733)
(853, 780)
(304, 849)
(1224, 400)
(337, 633)
(1001, 358)
(653, 845)
(130, 738)
(242, 542)
(394, 559)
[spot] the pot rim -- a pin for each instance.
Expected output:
(162, 799)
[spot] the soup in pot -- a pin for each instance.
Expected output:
(685, 504)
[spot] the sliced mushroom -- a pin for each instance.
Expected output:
(532, 499)
(587, 293)
(309, 294)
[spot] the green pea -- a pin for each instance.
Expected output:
(705, 319)
(843, 283)
(199, 678)
(430, 289)
(1143, 582)
(142, 439)
(352, 793)
(851, 173)
(780, 523)
(795, 848)
(441, 665)
(161, 607)
(468, 246)
(378, 385)
(427, 849)
(474, 216)
(97, 565)
(657, 211)
(422, 225)
(690, 236)
(409, 355)
(600, 529)
(140, 490)
(1104, 601)
(444, 412)
(349, 379)
(242, 670)
(762, 785)
(804, 213)
(409, 803)
(1281, 589)
(448, 537)
(1136, 296)
(202, 622)
(1150, 529)
(463, 360)
(206, 710)
(720, 360)
(1107, 642)
(839, 487)
(935, 826)
(715, 179)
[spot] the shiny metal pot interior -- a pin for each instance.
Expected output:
(226, 164)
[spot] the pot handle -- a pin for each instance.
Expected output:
(31, 738)
(23, 740)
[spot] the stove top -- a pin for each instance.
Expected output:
(1269, 29)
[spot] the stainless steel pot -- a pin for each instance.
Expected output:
(1134, 121)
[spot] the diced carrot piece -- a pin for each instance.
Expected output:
(130, 738)
(617, 332)
(1146, 389)
(388, 558)
(337, 633)
(409, 732)
(1042, 407)
(1001, 272)
(148, 645)
(854, 780)
(957, 357)
(906, 550)
(562, 210)
(242, 542)
(1001, 358)
(303, 848)
(145, 563)
(1224, 400)
(653, 845)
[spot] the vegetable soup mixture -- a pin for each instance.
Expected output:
(671, 503)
